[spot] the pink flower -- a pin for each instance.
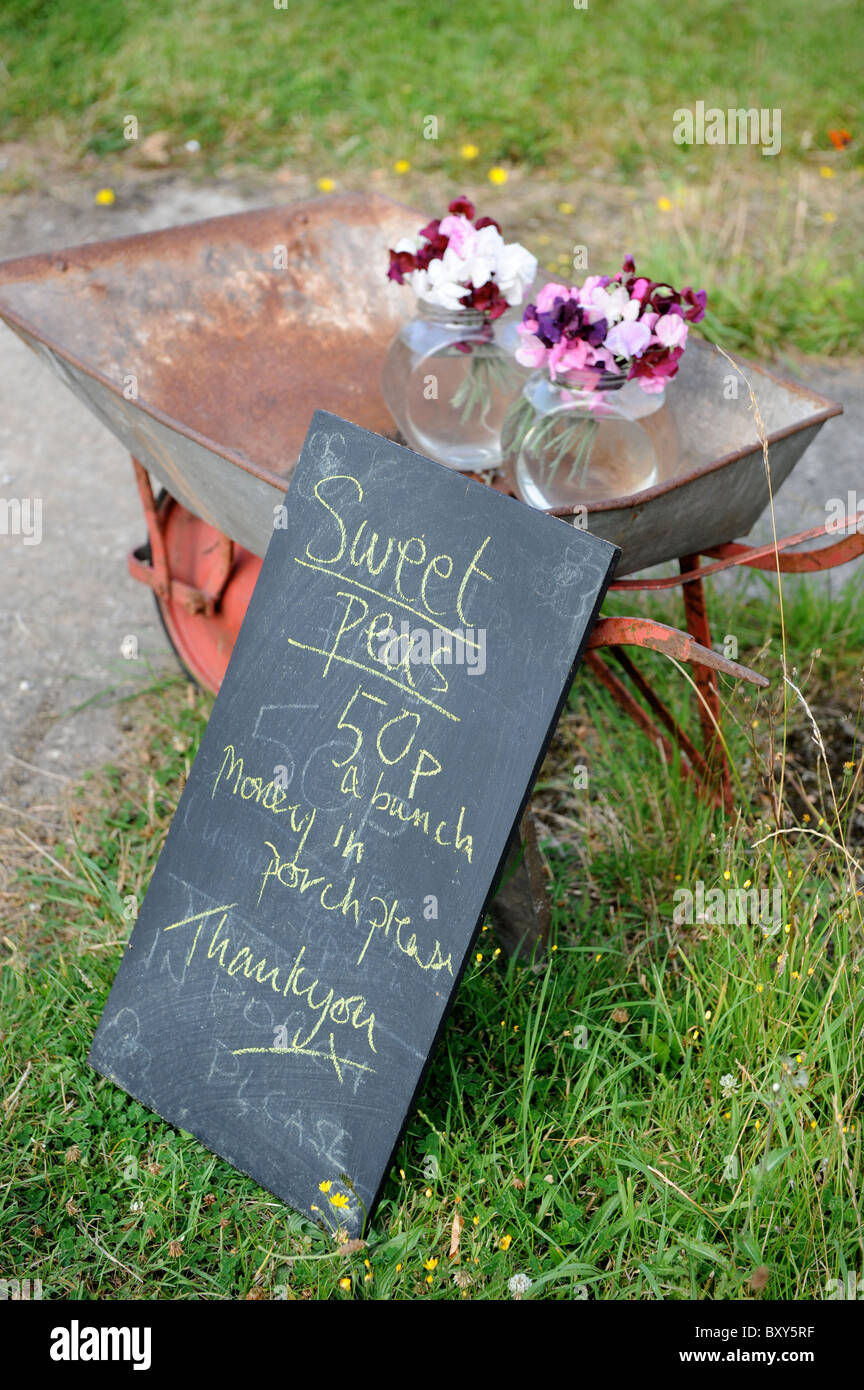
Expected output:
(547, 296)
(462, 237)
(671, 330)
(567, 356)
(531, 352)
(640, 289)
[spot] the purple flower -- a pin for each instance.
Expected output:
(628, 339)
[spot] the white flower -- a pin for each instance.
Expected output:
(729, 1085)
(518, 1285)
(613, 304)
(471, 260)
(515, 271)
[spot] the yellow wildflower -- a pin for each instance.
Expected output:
(326, 185)
(339, 1199)
(469, 152)
(498, 175)
(105, 197)
(402, 166)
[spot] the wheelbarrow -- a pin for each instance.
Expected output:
(206, 348)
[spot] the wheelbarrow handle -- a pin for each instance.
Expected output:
(670, 641)
(768, 557)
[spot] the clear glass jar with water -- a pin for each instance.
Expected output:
(448, 380)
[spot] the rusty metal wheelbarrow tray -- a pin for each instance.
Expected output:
(205, 349)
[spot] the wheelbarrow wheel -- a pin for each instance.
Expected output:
(202, 643)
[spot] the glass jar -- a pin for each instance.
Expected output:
(448, 380)
(586, 440)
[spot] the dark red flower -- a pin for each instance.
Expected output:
(656, 362)
(696, 299)
(462, 207)
(432, 251)
(487, 222)
(401, 263)
(488, 299)
(430, 231)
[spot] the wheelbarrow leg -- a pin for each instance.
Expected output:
(520, 911)
(696, 612)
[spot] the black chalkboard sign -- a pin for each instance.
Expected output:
(394, 686)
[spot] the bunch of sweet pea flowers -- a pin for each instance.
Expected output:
(610, 326)
(462, 262)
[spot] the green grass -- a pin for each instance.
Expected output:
(574, 103)
(339, 82)
(574, 1115)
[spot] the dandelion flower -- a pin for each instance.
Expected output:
(105, 197)
(829, 217)
(345, 1284)
(326, 185)
(498, 175)
(566, 208)
(431, 1263)
(826, 171)
(664, 204)
(469, 151)
(505, 1242)
(325, 1185)
(339, 1199)
(479, 957)
(402, 166)
(519, 1285)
